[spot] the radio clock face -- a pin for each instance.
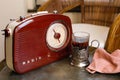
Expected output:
(57, 36)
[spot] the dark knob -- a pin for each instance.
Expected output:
(12, 19)
(22, 18)
(57, 35)
(6, 32)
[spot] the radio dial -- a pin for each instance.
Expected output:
(56, 36)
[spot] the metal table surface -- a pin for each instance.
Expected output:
(59, 70)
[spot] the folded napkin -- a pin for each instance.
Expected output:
(103, 62)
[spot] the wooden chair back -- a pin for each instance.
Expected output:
(113, 40)
(60, 5)
(100, 12)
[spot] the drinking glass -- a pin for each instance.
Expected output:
(80, 44)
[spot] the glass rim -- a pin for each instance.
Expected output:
(83, 32)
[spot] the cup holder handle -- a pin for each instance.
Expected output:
(95, 41)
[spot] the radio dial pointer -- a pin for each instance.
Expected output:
(56, 35)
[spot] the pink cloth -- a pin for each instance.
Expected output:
(103, 62)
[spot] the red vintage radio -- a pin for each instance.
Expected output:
(37, 40)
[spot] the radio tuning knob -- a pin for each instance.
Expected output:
(6, 32)
(22, 18)
(12, 19)
(55, 11)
